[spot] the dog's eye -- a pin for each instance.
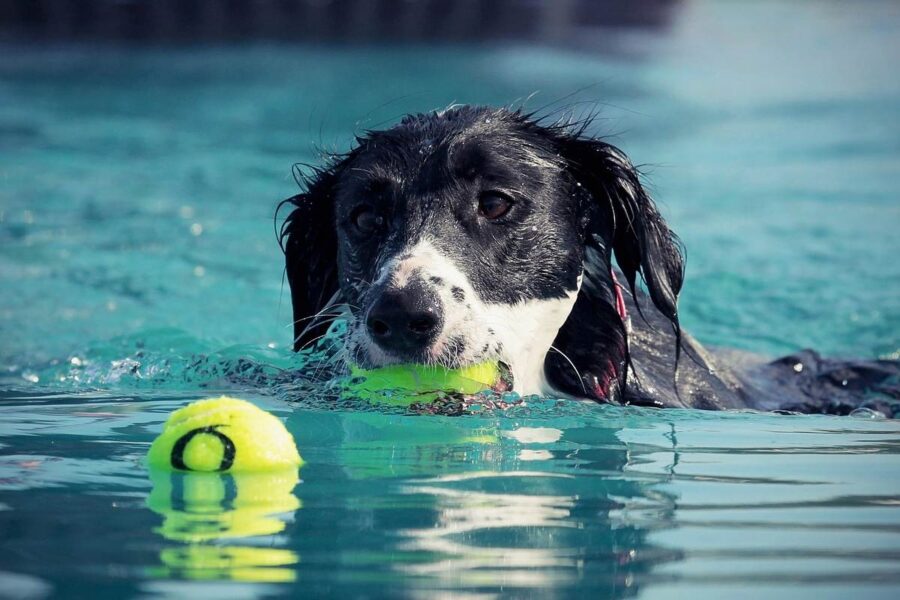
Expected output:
(366, 219)
(493, 205)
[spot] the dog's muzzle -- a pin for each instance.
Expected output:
(405, 322)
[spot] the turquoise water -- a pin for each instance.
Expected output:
(139, 271)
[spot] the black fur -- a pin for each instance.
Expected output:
(309, 242)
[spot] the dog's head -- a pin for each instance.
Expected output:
(465, 235)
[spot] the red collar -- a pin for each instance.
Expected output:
(620, 299)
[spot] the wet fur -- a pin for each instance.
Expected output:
(535, 290)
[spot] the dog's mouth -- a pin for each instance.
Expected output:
(450, 351)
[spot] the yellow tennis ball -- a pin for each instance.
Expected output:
(407, 383)
(225, 435)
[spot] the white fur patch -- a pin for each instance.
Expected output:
(527, 330)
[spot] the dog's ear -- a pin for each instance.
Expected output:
(619, 211)
(308, 239)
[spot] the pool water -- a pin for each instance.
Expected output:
(139, 271)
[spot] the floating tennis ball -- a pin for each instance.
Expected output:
(225, 435)
(409, 383)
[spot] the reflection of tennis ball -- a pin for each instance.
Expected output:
(205, 510)
(201, 507)
(405, 384)
(239, 563)
(223, 434)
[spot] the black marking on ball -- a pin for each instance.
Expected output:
(436, 280)
(458, 294)
(228, 449)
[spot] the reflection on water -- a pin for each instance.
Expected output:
(201, 509)
(464, 516)
(375, 445)
(614, 503)
(482, 504)
(238, 563)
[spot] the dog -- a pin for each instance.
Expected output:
(487, 234)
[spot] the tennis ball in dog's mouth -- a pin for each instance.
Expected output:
(223, 435)
(410, 383)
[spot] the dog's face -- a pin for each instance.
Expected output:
(452, 238)
(457, 242)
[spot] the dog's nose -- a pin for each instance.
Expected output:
(406, 321)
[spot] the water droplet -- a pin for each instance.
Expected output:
(866, 413)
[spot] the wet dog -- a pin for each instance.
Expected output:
(476, 234)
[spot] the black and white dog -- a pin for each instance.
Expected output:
(476, 234)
